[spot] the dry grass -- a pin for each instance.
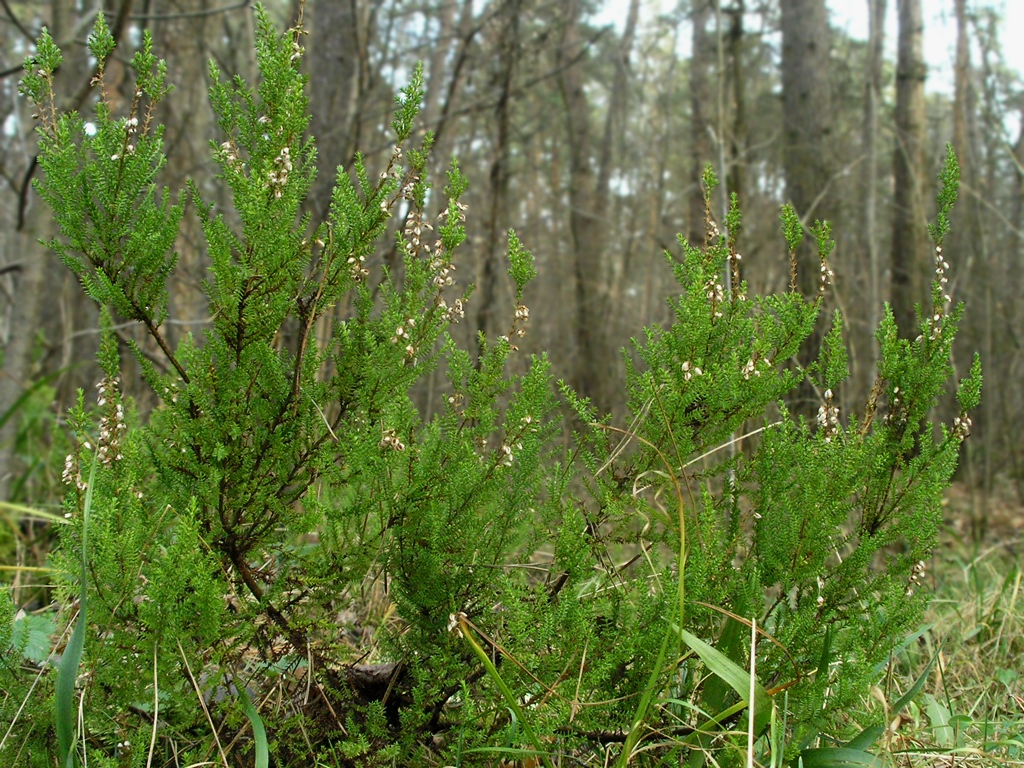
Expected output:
(972, 709)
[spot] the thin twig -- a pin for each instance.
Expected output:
(156, 710)
(726, 444)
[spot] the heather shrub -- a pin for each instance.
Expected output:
(285, 559)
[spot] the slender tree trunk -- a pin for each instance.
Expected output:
(961, 88)
(876, 45)
(1017, 235)
(909, 233)
(439, 115)
(588, 200)
(337, 63)
(807, 118)
(508, 40)
(613, 145)
(737, 89)
(701, 152)
(188, 42)
(1014, 266)
(970, 239)
(436, 69)
(807, 127)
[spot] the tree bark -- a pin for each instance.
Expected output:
(909, 234)
(807, 119)
(614, 145)
(701, 152)
(807, 127)
(337, 67)
(737, 88)
(595, 368)
(508, 43)
(188, 42)
(873, 89)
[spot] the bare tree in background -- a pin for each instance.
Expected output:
(592, 155)
(40, 276)
(701, 151)
(872, 99)
(737, 133)
(490, 259)
(909, 223)
(338, 61)
(188, 39)
(807, 126)
(595, 363)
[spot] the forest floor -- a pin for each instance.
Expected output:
(971, 647)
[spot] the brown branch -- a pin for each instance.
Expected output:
(154, 331)
(188, 14)
(12, 70)
(26, 184)
(14, 20)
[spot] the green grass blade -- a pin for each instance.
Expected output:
(259, 732)
(915, 688)
(30, 512)
(506, 692)
(734, 675)
(838, 757)
(907, 642)
(871, 733)
(865, 738)
(645, 701)
(65, 711)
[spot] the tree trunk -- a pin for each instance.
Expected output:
(508, 43)
(595, 368)
(909, 233)
(807, 125)
(1017, 234)
(701, 152)
(807, 118)
(613, 144)
(876, 45)
(337, 65)
(737, 87)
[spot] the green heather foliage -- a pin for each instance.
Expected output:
(287, 538)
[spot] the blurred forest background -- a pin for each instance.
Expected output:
(584, 125)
